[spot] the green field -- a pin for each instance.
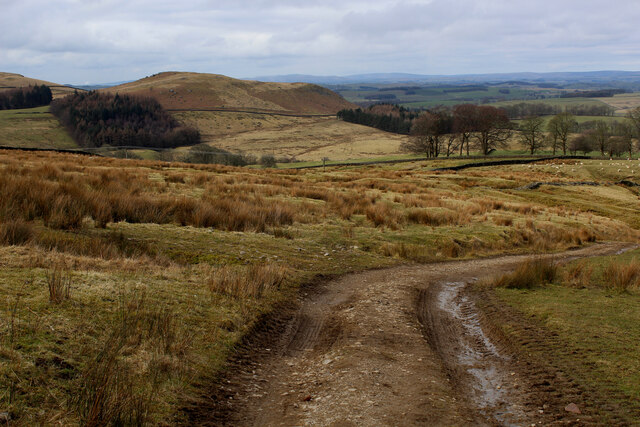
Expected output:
(429, 96)
(33, 127)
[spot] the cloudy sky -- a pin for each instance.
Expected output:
(94, 41)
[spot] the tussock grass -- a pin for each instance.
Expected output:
(59, 285)
(383, 214)
(434, 217)
(64, 206)
(577, 275)
(530, 274)
(115, 389)
(247, 282)
(408, 251)
(211, 246)
(15, 232)
(622, 277)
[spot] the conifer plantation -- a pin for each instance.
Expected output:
(94, 119)
(25, 97)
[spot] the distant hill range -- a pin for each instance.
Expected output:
(196, 91)
(592, 77)
(12, 81)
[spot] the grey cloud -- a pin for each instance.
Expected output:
(105, 40)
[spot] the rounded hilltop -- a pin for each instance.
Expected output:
(13, 80)
(200, 91)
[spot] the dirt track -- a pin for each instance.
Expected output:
(400, 346)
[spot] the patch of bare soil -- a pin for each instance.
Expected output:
(400, 346)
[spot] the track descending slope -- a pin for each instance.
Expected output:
(389, 347)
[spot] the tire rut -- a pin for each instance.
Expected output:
(404, 345)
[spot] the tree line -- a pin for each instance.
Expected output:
(447, 131)
(527, 109)
(386, 117)
(25, 97)
(563, 133)
(96, 119)
(440, 130)
(600, 93)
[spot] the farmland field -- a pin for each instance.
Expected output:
(33, 127)
(430, 96)
(623, 102)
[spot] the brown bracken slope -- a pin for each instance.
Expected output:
(196, 91)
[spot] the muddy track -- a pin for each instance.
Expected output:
(400, 346)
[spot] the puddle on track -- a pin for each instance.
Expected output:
(479, 357)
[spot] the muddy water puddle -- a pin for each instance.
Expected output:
(487, 381)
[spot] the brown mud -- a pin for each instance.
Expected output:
(399, 346)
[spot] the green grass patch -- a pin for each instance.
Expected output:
(33, 128)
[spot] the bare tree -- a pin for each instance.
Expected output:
(560, 126)
(492, 128)
(601, 135)
(464, 118)
(616, 145)
(428, 133)
(531, 133)
(581, 143)
(624, 132)
(422, 139)
(634, 118)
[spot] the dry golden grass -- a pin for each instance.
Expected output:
(171, 263)
(529, 274)
(59, 283)
(622, 277)
(578, 275)
(247, 282)
(300, 138)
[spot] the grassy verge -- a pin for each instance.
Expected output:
(141, 276)
(588, 323)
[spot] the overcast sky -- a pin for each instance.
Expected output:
(95, 41)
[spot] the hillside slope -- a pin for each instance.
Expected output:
(196, 91)
(303, 138)
(11, 81)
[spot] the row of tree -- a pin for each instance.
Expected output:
(609, 138)
(600, 93)
(386, 117)
(96, 119)
(25, 97)
(485, 128)
(526, 109)
(444, 131)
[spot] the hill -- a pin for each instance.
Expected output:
(196, 91)
(11, 81)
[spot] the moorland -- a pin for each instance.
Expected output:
(132, 286)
